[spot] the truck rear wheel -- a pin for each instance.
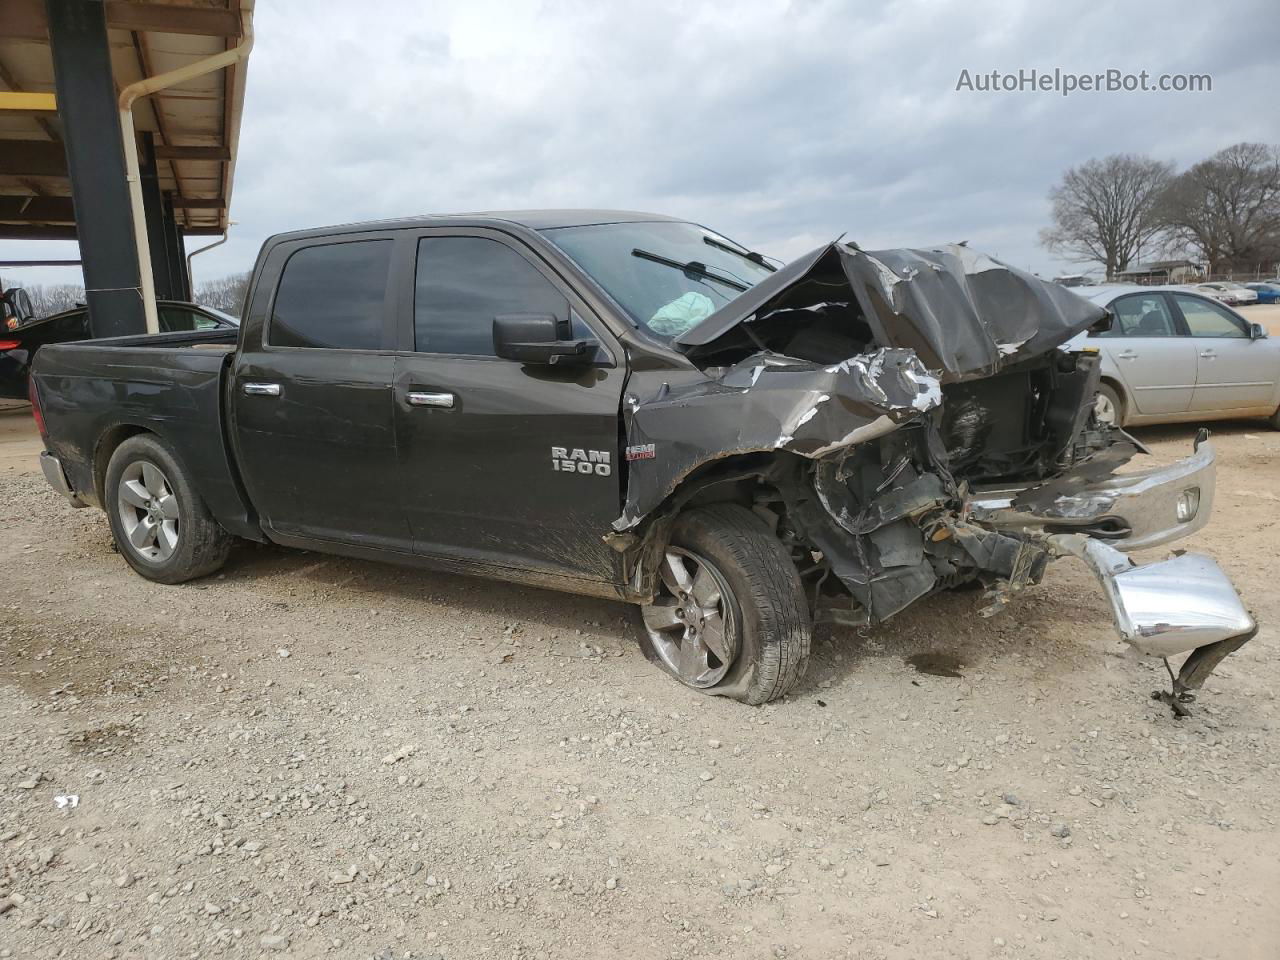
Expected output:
(161, 527)
(730, 616)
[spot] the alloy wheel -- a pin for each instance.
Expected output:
(148, 510)
(691, 621)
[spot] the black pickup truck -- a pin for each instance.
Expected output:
(635, 406)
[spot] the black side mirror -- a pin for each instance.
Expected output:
(1257, 331)
(17, 304)
(539, 338)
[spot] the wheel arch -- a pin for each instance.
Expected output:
(1121, 394)
(108, 442)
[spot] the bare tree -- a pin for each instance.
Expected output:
(225, 293)
(1227, 208)
(1104, 211)
(48, 299)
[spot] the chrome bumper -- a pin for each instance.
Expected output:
(1166, 608)
(1130, 511)
(51, 467)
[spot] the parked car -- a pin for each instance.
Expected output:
(1173, 356)
(1232, 294)
(18, 346)
(1267, 292)
(637, 407)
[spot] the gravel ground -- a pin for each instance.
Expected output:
(315, 757)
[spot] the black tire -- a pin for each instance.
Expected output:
(202, 544)
(768, 610)
(1117, 402)
(1274, 420)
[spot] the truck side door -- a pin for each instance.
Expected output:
(312, 396)
(502, 462)
(1156, 362)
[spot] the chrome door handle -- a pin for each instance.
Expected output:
(1127, 355)
(1208, 354)
(418, 399)
(261, 389)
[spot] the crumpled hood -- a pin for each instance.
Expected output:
(966, 315)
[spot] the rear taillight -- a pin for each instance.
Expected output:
(37, 414)
(9, 345)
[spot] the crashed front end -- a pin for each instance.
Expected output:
(907, 421)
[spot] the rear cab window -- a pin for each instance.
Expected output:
(333, 295)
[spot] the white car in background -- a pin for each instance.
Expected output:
(1229, 292)
(1173, 356)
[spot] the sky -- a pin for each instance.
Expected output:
(780, 124)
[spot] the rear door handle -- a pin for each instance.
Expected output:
(418, 398)
(1208, 354)
(261, 389)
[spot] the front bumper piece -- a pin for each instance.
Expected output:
(1185, 604)
(1180, 605)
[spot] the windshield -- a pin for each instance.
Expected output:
(669, 276)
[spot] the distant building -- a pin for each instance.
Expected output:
(1075, 280)
(1162, 271)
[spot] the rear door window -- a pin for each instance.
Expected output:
(333, 296)
(1142, 315)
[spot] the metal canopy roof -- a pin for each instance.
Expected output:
(196, 124)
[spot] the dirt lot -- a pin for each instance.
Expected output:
(309, 756)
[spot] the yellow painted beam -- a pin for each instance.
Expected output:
(28, 102)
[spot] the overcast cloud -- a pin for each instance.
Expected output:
(781, 124)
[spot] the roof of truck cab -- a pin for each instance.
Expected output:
(533, 219)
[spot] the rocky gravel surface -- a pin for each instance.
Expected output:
(308, 756)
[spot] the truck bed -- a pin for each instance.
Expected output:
(169, 384)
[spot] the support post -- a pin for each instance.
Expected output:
(99, 189)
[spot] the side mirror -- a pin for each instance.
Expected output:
(17, 306)
(1257, 331)
(541, 339)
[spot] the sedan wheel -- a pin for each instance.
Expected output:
(148, 511)
(691, 622)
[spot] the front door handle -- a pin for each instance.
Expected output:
(1127, 355)
(1208, 354)
(262, 389)
(420, 399)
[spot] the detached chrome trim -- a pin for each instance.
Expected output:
(1142, 507)
(51, 467)
(1164, 608)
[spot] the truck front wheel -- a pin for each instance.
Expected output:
(730, 616)
(161, 527)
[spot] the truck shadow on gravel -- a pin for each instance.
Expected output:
(945, 632)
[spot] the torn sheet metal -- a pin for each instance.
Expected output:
(964, 314)
(768, 403)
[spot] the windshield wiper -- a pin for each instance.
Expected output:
(750, 255)
(693, 266)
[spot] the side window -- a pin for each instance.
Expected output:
(332, 296)
(1142, 315)
(173, 319)
(1207, 319)
(462, 283)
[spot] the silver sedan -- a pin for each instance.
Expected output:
(1173, 356)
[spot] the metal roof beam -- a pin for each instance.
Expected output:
(172, 152)
(25, 19)
(36, 209)
(34, 158)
